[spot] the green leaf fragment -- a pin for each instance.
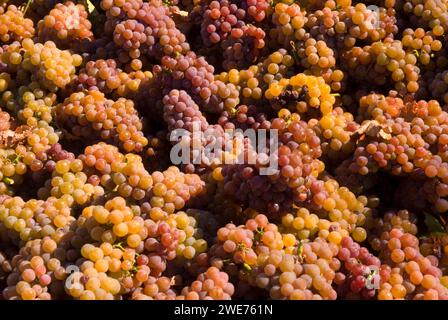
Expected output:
(8, 180)
(247, 267)
(433, 225)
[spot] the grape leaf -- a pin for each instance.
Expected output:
(8, 180)
(434, 226)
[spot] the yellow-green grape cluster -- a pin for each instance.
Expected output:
(52, 67)
(105, 76)
(38, 271)
(305, 225)
(173, 236)
(24, 150)
(99, 285)
(423, 44)
(371, 23)
(252, 82)
(12, 168)
(41, 137)
(319, 60)
(124, 174)
(428, 14)
(289, 20)
(66, 24)
(14, 26)
(69, 181)
(246, 81)
(161, 234)
(129, 177)
(35, 219)
(30, 103)
(37, 107)
(340, 205)
(172, 189)
(301, 93)
(276, 66)
(90, 114)
(335, 130)
(193, 244)
(114, 222)
(384, 61)
(307, 273)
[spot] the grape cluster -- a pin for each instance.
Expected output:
(85, 115)
(67, 25)
(360, 272)
(409, 274)
(105, 76)
(52, 67)
(14, 26)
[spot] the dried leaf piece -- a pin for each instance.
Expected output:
(10, 138)
(373, 128)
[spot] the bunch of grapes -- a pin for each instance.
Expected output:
(67, 25)
(359, 274)
(429, 14)
(37, 9)
(106, 77)
(68, 181)
(255, 80)
(210, 285)
(38, 271)
(408, 273)
(195, 75)
(35, 219)
(384, 61)
(243, 48)
(402, 220)
(51, 67)
(302, 94)
(14, 26)
(141, 29)
(88, 115)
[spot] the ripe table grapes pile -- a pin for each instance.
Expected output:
(94, 206)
